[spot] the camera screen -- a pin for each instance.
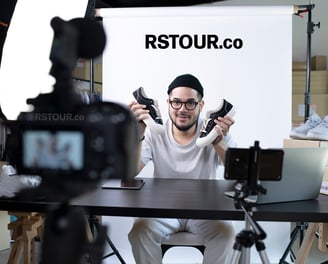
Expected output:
(53, 150)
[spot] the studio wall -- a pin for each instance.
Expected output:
(250, 67)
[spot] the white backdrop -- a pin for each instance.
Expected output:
(255, 78)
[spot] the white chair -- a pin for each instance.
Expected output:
(183, 239)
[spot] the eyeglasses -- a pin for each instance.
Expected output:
(189, 105)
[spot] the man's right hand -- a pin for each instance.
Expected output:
(141, 113)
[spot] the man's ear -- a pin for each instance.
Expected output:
(201, 104)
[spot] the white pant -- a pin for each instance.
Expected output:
(147, 234)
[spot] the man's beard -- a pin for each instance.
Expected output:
(184, 127)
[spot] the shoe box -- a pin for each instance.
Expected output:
(304, 143)
(299, 143)
(318, 88)
(318, 63)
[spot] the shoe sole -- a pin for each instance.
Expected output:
(156, 126)
(297, 136)
(204, 141)
(312, 136)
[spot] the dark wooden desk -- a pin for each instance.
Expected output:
(202, 199)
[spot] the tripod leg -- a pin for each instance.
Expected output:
(242, 247)
(246, 255)
(299, 229)
(247, 240)
(115, 250)
(236, 253)
(261, 250)
(290, 244)
(96, 227)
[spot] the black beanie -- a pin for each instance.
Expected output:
(186, 80)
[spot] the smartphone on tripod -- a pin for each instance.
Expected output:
(249, 167)
(237, 162)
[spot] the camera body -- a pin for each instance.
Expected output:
(94, 143)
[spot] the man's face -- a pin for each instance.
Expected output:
(184, 107)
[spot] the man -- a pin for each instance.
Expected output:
(175, 154)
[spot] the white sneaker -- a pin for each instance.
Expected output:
(207, 133)
(320, 132)
(301, 131)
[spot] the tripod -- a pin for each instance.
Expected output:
(246, 166)
(96, 228)
(245, 239)
(65, 238)
(310, 30)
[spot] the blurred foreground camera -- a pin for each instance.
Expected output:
(98, 145)
(71, 145)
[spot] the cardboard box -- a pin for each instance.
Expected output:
(324, 185)
(98, 72)
(82, 70)
(98, 88)
(303, 143)
(319, 63)
(319, 104)
(318, 82)
(299, 66)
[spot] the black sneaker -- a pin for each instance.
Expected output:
(155, 122)
(207, 133)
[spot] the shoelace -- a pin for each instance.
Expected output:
(312, 122)
(323, 123)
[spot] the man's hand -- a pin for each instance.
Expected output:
(141, 113)
(222, 127)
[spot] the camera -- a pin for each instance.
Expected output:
(73, 146)
(95, 146)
